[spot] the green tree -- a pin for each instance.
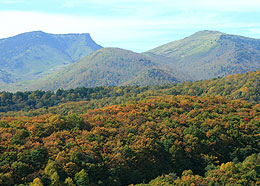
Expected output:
(81, 178)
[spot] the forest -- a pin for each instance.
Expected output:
(162, 140)
(191, 133)
(238, 86)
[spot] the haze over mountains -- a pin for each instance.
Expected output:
(209, 54)
(81, 62)
(110, 67)
(31, 55)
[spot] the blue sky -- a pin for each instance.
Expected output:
(138, 25)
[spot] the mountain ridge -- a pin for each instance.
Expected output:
(203, 55)
(32, 55)
(209, 54)
(107, 67)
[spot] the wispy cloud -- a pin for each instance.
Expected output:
(255, 31)
(134, 24)
(118, 31)
(11, 1)
(220, 5)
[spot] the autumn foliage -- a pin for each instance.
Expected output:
(179, 140)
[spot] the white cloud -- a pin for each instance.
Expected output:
(218, 5)
(13, 22)
(137, 33)
(215, 5)
(11, 1)
(255, 31)
(103, 30)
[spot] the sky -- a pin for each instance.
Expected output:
(137, 25)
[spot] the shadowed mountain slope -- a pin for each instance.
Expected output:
(35, 54)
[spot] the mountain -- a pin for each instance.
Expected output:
(236, 86)
(5, 77)
(208, 54)
(201, 56)
(35, 54)
(233, 87)
(107, 67)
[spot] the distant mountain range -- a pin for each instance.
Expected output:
(208, 54)
(32, 55)
(107, 67)
(74, 60)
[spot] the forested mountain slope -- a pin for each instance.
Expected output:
(239, 86)
(207, 54)
(203, 55)
(107, 67)
(35, 54)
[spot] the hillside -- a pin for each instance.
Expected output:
(156, 135)
(107, 67)
(209, 54)
(6, 77)
(35, 54)
(203, 55)
(238, 86)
